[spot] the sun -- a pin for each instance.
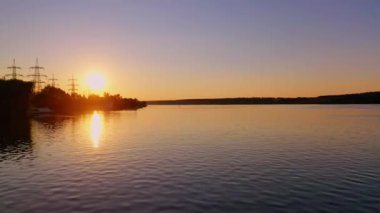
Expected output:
(95, 82)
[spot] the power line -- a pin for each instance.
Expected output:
(14, 69)
(37, 76)
(73, 85)
(53, 80)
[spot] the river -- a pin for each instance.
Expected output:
(305, 158)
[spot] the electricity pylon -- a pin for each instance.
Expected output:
(37, 76)
(53, 80)
(73, 85)
(14, 69)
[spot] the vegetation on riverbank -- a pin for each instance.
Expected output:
(360, 98)
(60, 101)
(17, 100)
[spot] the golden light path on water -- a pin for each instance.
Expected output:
(96, 129)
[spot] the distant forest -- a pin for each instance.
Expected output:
(360, 98)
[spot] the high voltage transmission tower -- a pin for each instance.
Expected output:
(14, 69)
(53, 80)
(73, 85)
(37, 76)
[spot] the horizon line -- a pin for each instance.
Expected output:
(263, 97)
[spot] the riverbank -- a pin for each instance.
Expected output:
(59, 101)
(17, 100)
(359, 98)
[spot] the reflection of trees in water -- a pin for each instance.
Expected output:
(112, 115)
(48, 128)
(16, 134)
(52, 122)
(15, 139)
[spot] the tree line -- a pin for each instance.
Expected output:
(360, 98)
(17, 99)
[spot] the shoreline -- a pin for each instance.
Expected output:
(358, 98)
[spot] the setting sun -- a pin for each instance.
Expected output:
(95, 82)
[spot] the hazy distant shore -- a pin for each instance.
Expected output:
(358, 98)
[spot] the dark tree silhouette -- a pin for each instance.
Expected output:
(14, 98)
(60, 101)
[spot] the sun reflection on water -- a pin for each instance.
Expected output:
(96, 129)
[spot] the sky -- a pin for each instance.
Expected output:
(174, 49)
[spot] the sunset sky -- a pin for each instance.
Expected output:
(173, 49)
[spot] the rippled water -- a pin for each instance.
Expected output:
(195, 159)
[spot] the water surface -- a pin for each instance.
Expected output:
(195, 159)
